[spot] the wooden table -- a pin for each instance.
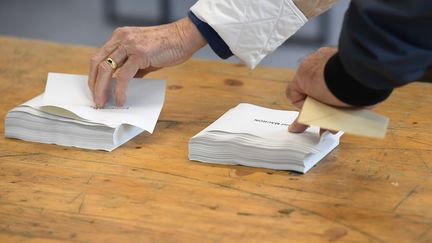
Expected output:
(147, 190)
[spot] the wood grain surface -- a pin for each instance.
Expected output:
(367, 190)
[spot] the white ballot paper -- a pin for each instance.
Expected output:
(255, 136)
(65, 114)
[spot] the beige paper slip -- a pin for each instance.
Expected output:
(360, 122)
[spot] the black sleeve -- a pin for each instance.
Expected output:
(384, 44)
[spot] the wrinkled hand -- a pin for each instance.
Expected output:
(309, 81)
(138, 51)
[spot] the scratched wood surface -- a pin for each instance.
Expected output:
(147, 190)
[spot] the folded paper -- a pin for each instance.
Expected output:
(65, 114)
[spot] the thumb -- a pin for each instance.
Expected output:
(297, 127)
(295, 93)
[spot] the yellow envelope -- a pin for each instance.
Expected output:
(354, 121)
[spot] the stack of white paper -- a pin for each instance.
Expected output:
(65, 114)
(256, 136)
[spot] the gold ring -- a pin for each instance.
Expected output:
(112, 63)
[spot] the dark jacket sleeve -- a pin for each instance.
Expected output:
(384, 44)
(216, 42)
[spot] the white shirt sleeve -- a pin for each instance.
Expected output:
(251, 28)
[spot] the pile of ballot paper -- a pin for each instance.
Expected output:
(65, 114)
(255, 136)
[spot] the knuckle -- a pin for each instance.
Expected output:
(120, 31)
(120, 77)
(117, 31)
(124, 33)
(94, 60)
(128, 38)
(324, 48)
(327, 50)
(122, 49)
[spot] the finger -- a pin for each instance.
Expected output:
(123, 75)
(322, 130)
(299, 103)
(101, 87)
(143, 72)
(119, 55)
(297, 127)
(97, 58)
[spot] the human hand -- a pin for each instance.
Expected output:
(138, 51)
(309, 81)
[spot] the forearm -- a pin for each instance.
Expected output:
(191, 38)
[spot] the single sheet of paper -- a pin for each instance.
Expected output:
(360, 122)
(259, 121)
(68, 93)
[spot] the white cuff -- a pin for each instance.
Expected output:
(251, 29)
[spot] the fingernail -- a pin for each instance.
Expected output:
(96, 101)
(119, 103)
(293, 129)
(99, 104)
(289, 128)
